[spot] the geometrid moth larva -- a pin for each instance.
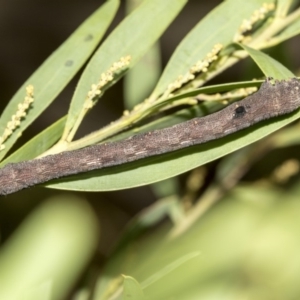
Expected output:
(269, 101)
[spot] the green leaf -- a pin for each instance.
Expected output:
(268, 65)
(132, 289)
(39, 144)
(290, 31)
(141, 79)
(42, 248)
(134, 36)
(55, 73)
(166, 188)
(158, 168)
(283, 7)
(217, 27)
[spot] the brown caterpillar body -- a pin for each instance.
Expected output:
(269, 101)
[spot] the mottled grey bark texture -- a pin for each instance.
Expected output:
(270, 101)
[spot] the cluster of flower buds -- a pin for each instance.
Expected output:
(16, 118)
(247, 24)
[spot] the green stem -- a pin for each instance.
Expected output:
(265, 39)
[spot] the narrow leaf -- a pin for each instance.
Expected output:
(290, 31)
(217, 27)
(141, 79)
(55, 73)
(283, 7)
(268, 65)
(39, 144)
(134, 36)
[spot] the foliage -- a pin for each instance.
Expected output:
(245, 246)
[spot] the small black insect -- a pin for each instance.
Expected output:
(239, 112)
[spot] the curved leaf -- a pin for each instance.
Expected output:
(268, 65)
(162, 167)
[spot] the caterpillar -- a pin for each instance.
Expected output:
(269, 101)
